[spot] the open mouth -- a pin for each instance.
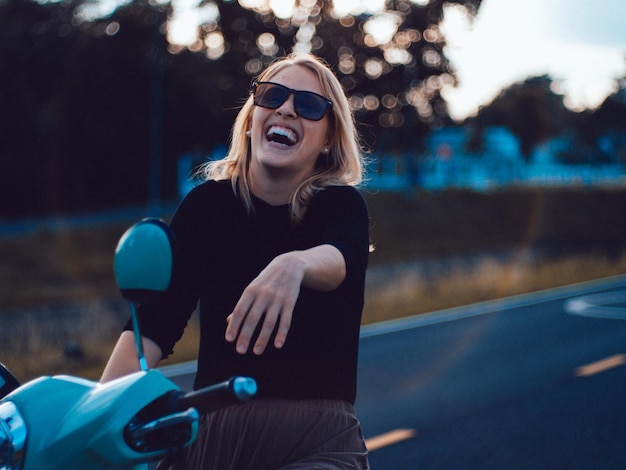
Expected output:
(282, 135)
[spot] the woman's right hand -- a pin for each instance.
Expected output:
(270, 298)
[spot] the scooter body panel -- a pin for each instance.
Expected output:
(76, 423)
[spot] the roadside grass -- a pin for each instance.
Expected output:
(41, 342)
(407, 291)
(61, 311)
(50, 267)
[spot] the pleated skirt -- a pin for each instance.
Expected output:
(274, 434)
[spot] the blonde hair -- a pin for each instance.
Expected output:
(342, 166)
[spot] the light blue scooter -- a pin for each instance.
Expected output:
(65, 422)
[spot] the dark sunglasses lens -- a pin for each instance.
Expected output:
(310, 106)
(270, 96)
(307, 104)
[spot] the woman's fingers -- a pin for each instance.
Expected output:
(254, 313)
(236, 318)
(243, 322)
(283, 328)
(266, 307)
(269, 323)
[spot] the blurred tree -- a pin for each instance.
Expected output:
(605, 127)
(390, 61)
(531, 109)
(77, 106)
(32, 117)
(91, 95)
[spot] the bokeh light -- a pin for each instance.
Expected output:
(343, 8)
(382, 27)
(431, 58)
(215, 45)
(187, 16)
(371, 102)
(282, 8)
(433, 35)
(395, 56)
(266, 42)
(374, 68)
(254, 66)
(391, 119)
(356, 102)
(390, 102)
(347, 63)
(112, 28)
(261, 6)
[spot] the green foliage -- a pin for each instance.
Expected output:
(89, 106)
(535, 112)
(394, 74)
(607, 125)
(531, 109)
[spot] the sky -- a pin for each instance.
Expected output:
(580, 43)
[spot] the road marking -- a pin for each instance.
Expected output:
(488, 307)
(608, 305)
(455, 313)
(601, 366)
(389, 438)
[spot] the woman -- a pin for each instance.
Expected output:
(274, 246)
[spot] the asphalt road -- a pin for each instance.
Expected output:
(537, 381)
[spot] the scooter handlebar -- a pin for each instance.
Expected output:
(169, 423)
(230, 392)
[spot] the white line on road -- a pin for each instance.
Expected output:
(456, 313)
(608, 305)
(601, 366)
(389, 438)
(489, 306)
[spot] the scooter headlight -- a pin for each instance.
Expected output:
(12, 437)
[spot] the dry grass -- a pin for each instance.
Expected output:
(37, 339)
(407, 291)
(48, 267)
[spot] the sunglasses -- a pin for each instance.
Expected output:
(308, 105)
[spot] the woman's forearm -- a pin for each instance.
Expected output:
(324, 267)
(123, 360)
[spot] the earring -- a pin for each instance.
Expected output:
(325, 150)
(248, 134)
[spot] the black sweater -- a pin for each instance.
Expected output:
(221, 249)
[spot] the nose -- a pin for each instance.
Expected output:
(287, 109)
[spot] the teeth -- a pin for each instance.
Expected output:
(282, 135)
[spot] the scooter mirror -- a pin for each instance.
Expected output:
(8, 383)
(144, 260)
